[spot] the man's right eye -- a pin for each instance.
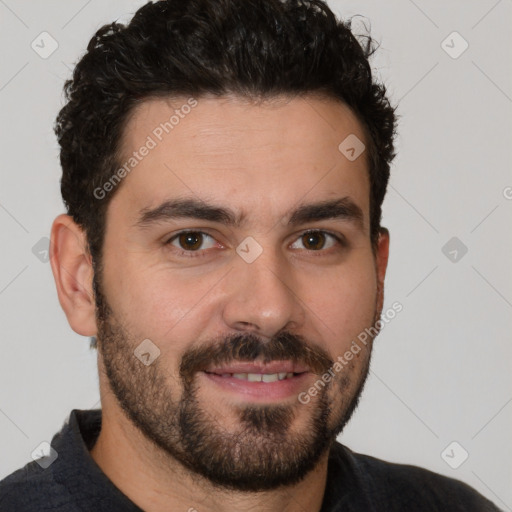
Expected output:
(188, 242)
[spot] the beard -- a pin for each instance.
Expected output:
(263, 451)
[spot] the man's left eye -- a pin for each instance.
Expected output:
(317, 240)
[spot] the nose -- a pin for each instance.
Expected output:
(261, 297)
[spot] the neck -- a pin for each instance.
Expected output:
(156, 482)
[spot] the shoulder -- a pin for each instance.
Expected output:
(22, 490)
(408, 487)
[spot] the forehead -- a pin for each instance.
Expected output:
(231, 150)
(215, 123)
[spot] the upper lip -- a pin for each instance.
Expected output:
(255, 367)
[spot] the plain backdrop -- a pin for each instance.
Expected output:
(441, 369)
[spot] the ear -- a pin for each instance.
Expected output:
(73, 273)
(381, 264)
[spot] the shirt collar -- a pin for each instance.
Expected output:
(76, 470)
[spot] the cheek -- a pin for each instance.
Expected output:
(344, 302)
(161, 306)
(164, 305)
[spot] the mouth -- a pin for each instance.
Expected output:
(275, 381)
(258, 377)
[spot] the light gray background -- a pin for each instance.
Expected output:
(441, 369)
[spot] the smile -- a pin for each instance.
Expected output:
(257, 385)
(259, 377)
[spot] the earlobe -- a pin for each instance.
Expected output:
(73, 273)
(381, 264)
(383, 252)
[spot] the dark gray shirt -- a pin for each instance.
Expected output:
(73, 482)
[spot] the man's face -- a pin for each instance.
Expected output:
(245, 315)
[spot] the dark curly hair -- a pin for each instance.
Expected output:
(257, 49)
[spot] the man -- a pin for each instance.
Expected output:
(224, 166)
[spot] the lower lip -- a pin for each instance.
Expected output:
(261, 391)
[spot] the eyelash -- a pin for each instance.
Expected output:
(202, 252)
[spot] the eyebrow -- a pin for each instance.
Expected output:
(344, 209)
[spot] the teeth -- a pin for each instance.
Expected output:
(260, 377)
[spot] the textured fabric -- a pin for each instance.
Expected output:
(73, 482)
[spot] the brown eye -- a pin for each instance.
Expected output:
(317, 240)
(313, 240)
(191, 241)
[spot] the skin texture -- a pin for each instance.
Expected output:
(302, 299)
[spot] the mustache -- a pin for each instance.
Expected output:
(247, 347)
